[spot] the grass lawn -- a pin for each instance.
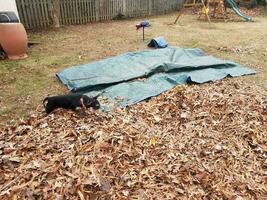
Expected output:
(25, 83)
(203, 141)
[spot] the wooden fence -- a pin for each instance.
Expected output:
(37, 14)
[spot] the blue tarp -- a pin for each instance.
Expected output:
(136, 76)
(158, 42)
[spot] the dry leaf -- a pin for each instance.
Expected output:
(194, 142)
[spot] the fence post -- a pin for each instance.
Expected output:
(97, 10)
(124, 11)
(150, 7)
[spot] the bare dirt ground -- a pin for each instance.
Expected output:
(193, 142)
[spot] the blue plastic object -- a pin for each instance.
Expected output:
(143, 24)
(158, 42)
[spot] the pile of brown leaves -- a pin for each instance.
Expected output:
(231, 15)
(194, 142)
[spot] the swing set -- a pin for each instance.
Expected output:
(218, 9)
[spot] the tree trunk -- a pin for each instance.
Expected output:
(56, 13)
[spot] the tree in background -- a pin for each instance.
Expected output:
(56, 13)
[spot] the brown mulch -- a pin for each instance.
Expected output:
(194, 142)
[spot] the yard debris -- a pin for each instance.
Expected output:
(238, 50)
(194, 142)
(231, 15)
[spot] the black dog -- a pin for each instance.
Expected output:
(70, 101)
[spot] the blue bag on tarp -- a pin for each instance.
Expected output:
(158, 42)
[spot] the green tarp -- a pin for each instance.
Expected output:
(136, 76)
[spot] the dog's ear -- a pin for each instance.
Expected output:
(95, 104)
(45, 101)
(48, 105)
(82, 102)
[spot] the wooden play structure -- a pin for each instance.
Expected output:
(219, 9)
(212, 8)
(195, 3)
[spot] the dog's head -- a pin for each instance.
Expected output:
(91, 102)
(48, 105)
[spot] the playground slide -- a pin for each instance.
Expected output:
(237, 11)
